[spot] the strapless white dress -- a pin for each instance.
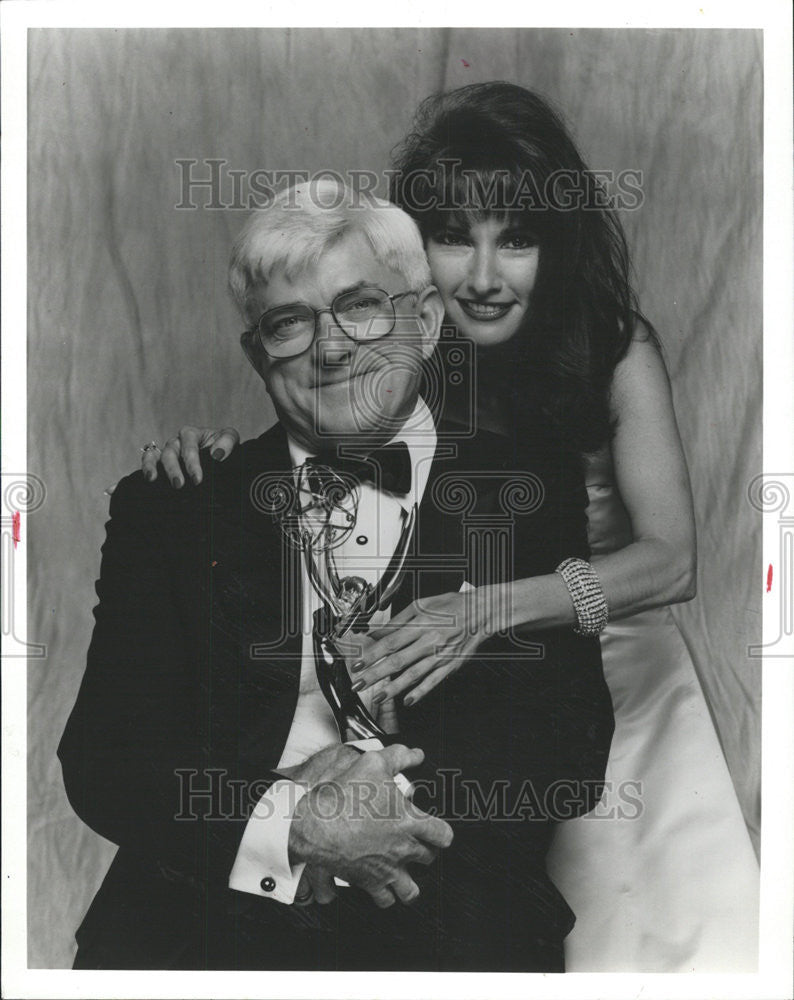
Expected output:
(662, 876)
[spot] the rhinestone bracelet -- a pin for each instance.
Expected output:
(592, 613)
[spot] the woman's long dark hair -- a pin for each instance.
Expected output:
(497, 149)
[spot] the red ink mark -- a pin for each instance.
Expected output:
(769, 578)
(15, 522)
(388, 390)
(214, 562)
(467, 65)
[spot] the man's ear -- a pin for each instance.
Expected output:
(254, 352)
(430, 310)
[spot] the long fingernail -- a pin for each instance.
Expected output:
(379, 698)
(408, 700)
(148, 476)
(358, 665)
(219, 454)
(176, 482)
(358, 685)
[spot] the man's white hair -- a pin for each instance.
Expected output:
(304, 221)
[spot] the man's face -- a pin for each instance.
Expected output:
(340, 390)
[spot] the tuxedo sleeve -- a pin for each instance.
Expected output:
(263, 856)
(137, 765)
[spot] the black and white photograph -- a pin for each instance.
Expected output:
(397, 556)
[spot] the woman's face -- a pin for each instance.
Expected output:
(485, 271)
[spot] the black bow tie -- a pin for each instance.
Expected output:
(388, 468)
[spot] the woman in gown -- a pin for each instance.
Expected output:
(668, 882)
(661, 876)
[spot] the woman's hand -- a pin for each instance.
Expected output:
(428, 641)
(186, 446)
(353, 646)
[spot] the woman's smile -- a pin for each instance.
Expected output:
(485, 312)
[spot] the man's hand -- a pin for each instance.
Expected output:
(316, 886)
(360, 827)
(325, 765)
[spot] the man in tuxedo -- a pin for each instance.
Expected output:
(201, 742)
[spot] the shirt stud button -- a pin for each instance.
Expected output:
(268, 884)
(362, 540)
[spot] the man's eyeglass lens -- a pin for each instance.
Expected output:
(363, 314)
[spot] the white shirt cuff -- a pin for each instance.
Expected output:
(262, 864)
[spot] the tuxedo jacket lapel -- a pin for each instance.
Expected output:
(254, 596)
(463, 481)
(195, 663)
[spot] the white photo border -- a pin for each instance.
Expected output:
(777, 858)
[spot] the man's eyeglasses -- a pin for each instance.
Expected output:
(362, 314)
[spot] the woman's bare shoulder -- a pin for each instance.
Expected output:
(644, 357)
(641, 384)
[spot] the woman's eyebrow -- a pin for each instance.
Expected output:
(517, 226)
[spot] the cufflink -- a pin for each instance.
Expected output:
(268, 884)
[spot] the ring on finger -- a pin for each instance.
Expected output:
(150, 446)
